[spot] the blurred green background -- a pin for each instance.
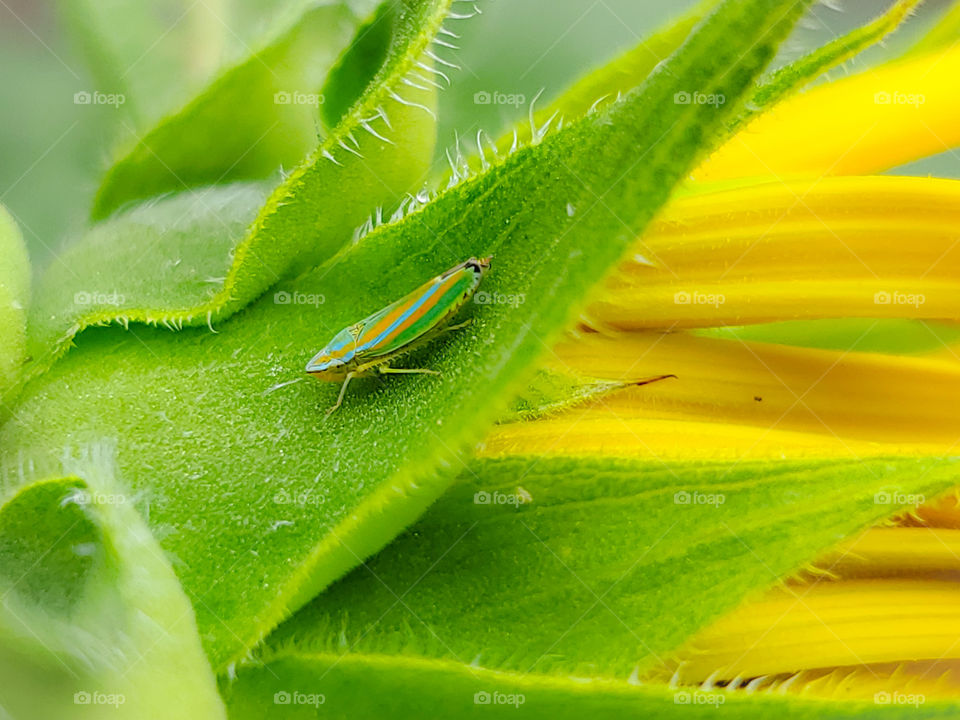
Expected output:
(53, 151)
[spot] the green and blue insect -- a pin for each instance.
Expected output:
(368, 346)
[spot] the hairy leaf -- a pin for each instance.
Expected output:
(92, 614)
(375, 686)
(269, 103)
(631, 558)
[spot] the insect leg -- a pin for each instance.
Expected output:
(343, 390)
(450, 328)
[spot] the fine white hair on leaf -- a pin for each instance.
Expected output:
(407, 81)
(385, 117)
(461, 163)
(401, 210)
(530, 113)
(412, 104)
(597, 102)
(329, 156)
(349, 149)
(433, 56)
(449, 33)
(790, 681)
(493, 147)
(483, 155)
(710, 682)
(454, 170)
(366, 126)
(444, 43)
(432, 70)
(542, 130)
(429, 81)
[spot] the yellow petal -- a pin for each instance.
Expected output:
(878, 119)
(876, 617)
(827, 625)
(744, 400)
(896, 551)
(837, 247)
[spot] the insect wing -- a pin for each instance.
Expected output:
(403, 322)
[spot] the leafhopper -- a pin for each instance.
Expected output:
(368, 347)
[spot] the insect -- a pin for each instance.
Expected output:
(368, 346)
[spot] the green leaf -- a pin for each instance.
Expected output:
(203, 407)
(147, 264)
(304, 221)
(92, 613)
(401, 687)
(358, 65)
(788, 79)
(630, 558)
(14, 299)
(277, 88)
(554, 389)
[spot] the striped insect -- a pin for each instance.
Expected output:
(367, 347)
